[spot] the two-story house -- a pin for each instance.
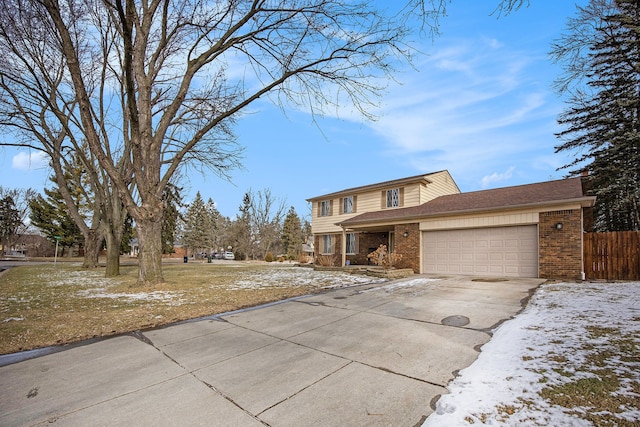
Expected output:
(532, 230)
(330, 210)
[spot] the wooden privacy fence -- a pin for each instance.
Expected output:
(612, 256)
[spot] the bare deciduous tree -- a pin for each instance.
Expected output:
(267, 214)
(152, 85)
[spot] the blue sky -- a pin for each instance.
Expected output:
(479, 103)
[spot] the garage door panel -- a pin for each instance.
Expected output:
(481, 257)
(508, 251)
(511, 243)
(496, 244)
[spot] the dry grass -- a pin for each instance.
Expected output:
(609, 383)
(44, 305)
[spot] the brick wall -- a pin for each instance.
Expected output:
(336, 256)
(178, 252)
(408, 247)
(367, 243)
(560, 250)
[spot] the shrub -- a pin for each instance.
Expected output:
(305, 259)
(326, 260)
(268, 257)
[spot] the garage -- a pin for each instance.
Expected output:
(497, 251)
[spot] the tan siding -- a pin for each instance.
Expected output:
(369, 202)
(477, 221)
(412, 194)
(442, 184)
(516, 217)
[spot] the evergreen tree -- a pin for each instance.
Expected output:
(214, 224)
(197, 225)
(241, 234)
(52, 217)
(13, 214)
(603, 120)
(9, 222)
(171, 217)
(292, 236)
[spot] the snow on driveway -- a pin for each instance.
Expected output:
(567, 334)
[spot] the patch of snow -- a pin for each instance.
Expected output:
(12, 319)
(537, 349)
(402, 285)
(76, 278)
(299, 277)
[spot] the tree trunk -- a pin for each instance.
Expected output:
(92, 246)
(113, 254)
(114, 230)
(150, 247)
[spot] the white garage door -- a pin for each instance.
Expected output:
(499, 251)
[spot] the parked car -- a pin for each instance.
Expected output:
(229, 256)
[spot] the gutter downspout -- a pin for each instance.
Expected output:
(583, 273)
(343, 248)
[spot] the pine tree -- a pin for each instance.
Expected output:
(214, 224)
(241, 231)
(292, 237)
(51, 216)
(197, 226)
(603, 120)
(171, 216)
(9, 221)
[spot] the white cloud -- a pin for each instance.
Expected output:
(496, 177)
(476, 106)
(28, 161)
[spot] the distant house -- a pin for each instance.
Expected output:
(308, 250)
(532, 230)
(31, 245)
(179, 251)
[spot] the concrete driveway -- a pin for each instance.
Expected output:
(372, 355)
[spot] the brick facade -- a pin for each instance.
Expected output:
(367, 243)
(337, 248)
(560, 250)
(408, 247)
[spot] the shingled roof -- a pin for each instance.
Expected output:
(542, 193)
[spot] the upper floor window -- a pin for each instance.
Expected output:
(325, 208)
(347, 205)
(393, 198)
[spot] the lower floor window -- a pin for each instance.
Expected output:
(326, 244)
(351, 243)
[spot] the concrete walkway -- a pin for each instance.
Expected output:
(373, 355)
